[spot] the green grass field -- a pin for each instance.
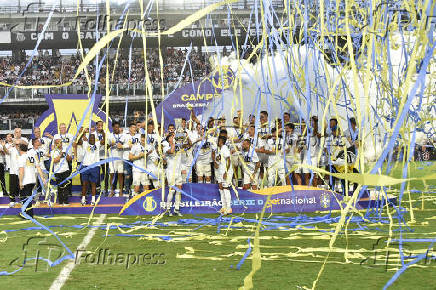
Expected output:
(194, 256)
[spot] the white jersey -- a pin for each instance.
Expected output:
(28, 161)
(80, 153)
(277, 145)
(98, 138)
(91, 153)
(13, 154)
(262, 132)
(250, 159)
(152, 158)
(113, 140)
(204, 150)
(2, 154)
(292, 141)
(8, 156)
(128, 142)
(62, 165)
(40, 154)
(152, 138)
(44, 148)
(173, 159)
(221, 156)
(135, 151)
(67, 140)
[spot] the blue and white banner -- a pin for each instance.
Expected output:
(205, 198)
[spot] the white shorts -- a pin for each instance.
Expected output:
(116, 166)
(203, 169)
(140, 178)
(235, 160)
(153, 170)
(249, 179)
(225, 182)
(313, 161)
(263, 158)
(174, 176)
(290, 163)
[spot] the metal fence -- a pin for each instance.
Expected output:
(116, 90)
(24, 7)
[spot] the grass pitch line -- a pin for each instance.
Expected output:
(66, 271)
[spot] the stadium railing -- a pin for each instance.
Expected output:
(117, 90)
(36, 7)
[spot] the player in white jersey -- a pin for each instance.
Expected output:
(44, 148)
(172, 153)
(311, 152)
(3, 156)
(60, 169)
(104, 170)
(130, 139)
(67, 141)
(223, 174)
(138, 156)
(12, 152)
(250, 165)
(263, 132)
(115, 148)
(292, 157)
(36, 150)
(275, 148)
(184, 135)
(203, 151)
(9, 142)
(235, 135)
(91, 155)
(28, 167)
(152, 136)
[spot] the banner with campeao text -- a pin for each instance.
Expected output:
(205, 198)
(197, 96)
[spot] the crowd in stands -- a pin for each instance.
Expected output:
(53, 70)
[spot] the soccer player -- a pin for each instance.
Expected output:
(44, 148)
(3, 167)
(235, 134)
(224, 174)
(275, 148)
(12, 152)
(91, 155)
(130, 139)
(115, 144)
(173, 174)
(60, 169)
(292, 158)
(101, 136)
(311, 151)
(263, 132)
(67, 141)
(28, 167)
(250, 165)
(204, 145)
(138, 155)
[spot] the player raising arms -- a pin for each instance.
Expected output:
(224, 174)
(91, 155)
